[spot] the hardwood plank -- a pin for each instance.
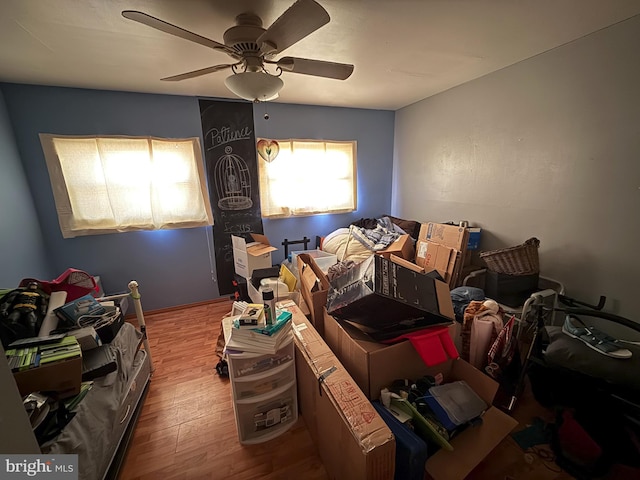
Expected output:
(187, 429)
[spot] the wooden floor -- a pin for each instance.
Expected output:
(187, 429)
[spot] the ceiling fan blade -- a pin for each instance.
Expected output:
(298, 21)
(171, 29)
(197, 73)
(319, 68)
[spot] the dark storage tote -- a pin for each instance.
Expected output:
(510, 290)
(411, 450)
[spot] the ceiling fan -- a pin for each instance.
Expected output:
(253, 47)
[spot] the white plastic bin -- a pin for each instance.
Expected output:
(322, 258)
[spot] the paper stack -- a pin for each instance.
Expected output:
(262, 339)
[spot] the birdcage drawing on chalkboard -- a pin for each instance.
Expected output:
(233, 182)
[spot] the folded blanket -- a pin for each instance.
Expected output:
(378, 238)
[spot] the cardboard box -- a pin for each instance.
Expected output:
(433, 256)
(438, 255)
(379, 292)
(353, 441)
(249, 256)
(451, 236)
(372, 365)
(63, 377)
(314, 287)
(407, 264)
(403, 247)
(375, 366)
(472, 445)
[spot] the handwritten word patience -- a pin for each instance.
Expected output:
(226, 135)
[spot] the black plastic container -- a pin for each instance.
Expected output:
(511, 290)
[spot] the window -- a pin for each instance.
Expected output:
(309, 177)
(120, 184)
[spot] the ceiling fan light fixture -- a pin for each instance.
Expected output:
(254, 86)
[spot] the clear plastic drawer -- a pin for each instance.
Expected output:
(241, 365)
(262, 384)
(268, 417)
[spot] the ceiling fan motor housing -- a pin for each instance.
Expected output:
(242, 36)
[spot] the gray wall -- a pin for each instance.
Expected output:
(548, 148)
(173, 266)
(22, 253)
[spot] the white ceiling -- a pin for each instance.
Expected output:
(403, 50)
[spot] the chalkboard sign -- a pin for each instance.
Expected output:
(232, 173)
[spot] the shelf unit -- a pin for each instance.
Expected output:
(264, 393)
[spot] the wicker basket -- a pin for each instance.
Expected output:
(518, 260)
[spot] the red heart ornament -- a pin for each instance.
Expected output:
(268, 149)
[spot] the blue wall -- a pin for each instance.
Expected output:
(373, 131)
(22, 253)
(173, 267)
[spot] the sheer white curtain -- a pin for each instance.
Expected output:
(309, 177)
(118, 184)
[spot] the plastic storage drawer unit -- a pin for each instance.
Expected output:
(264, 393)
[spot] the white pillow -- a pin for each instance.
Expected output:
(345, 247)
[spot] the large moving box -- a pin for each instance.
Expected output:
(372, 365)
(352, 439)
(375, 366)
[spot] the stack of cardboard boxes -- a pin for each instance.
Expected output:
(370, 366)
(374, 366)
(443, 248)
(340, 370)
